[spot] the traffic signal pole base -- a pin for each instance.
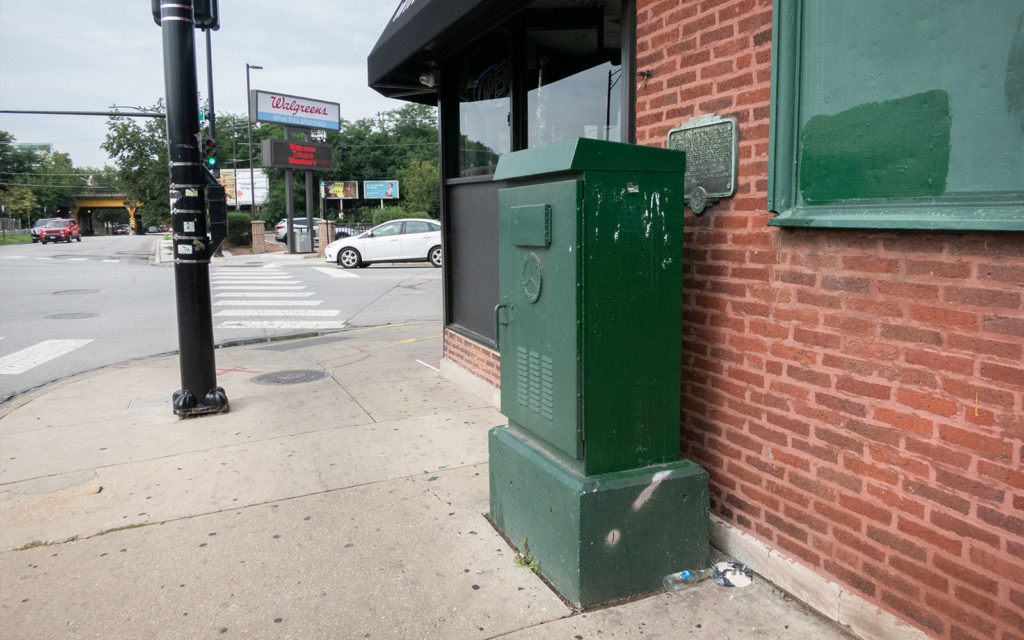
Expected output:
(186, 406)
(597, 538)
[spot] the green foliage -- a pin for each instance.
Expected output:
(379, 216)
(14, 161)
(139, 152)
(239, 230)
(21, 202)
(421, 187)
(35, 185)
(381, 148)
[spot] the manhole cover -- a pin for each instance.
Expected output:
(75, 292)
(295, 376)
(71, 316)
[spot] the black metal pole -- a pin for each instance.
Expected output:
(311, 223)
(209, 84)
(199, 393)
(215, 170)
(289, 211)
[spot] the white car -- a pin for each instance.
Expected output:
(406, 240)
(298, 224)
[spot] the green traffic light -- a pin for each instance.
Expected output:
(211, 161)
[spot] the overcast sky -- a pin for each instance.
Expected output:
(87, 55)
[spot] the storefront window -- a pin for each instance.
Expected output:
(484, 116)
(587, 104)
(575, 91)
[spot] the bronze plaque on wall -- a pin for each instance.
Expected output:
(710, 144)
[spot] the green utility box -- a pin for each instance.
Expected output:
(587, 472)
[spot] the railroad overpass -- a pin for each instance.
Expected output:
(87, 204)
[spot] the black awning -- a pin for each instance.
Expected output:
(420, 31)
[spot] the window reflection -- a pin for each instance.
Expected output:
(484, 112)
(574, 84)
(567, 71)
(587, 104)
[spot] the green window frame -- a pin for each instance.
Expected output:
(912, 153)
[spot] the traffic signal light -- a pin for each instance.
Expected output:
(206, 14)
(210, 149)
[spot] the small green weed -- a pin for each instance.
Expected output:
(524, 559)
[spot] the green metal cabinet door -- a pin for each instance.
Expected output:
(538, 317)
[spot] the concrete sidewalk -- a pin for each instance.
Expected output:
(352, 506)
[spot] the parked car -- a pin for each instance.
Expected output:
(406, 240)
(345, 232)
(60, 229)
(298, 224)
(39, 224)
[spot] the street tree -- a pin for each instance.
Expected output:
(139, 152)
(15, 161)
(421, 187)
(20, 203)
(37, 184)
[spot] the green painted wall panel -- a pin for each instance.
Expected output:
(890, 149)
(897, 114)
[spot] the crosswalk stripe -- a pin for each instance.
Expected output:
(280, 324)
(114, 261)
(264, 303)
(260, 288)
(22, 361)
(287, 313)
(263, 294)
(249, 276)
(259, 282)
(335, 273)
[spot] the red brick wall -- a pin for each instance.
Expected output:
(856, 396)
(482, 362)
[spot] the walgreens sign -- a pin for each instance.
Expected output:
(268, 106)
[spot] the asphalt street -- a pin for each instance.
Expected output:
(71, 308)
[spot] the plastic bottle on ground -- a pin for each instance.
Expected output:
(684, 579)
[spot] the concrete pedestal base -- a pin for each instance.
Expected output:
(600, 538)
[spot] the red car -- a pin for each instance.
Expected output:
(60, 229)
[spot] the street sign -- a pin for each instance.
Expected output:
(293, 110)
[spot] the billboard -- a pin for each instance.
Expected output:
(266, 106)
(347, 190)
(287, 154)
(238, 188)
(380, 189)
